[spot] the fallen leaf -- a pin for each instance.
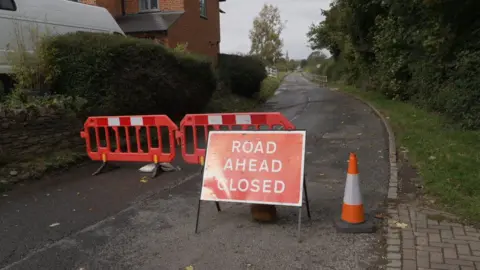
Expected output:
(54, 225)
(189, 267)
(401, 225)
(380, 215)
(144, 180)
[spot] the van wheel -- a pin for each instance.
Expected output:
(6, 85)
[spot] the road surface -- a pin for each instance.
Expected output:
(115, 221)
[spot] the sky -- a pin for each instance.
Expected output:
(298, 14)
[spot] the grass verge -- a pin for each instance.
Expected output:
(446, 157)
(36, 168)
(225, 101)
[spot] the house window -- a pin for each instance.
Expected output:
(146, 5)
(203, 8)
(8, 5)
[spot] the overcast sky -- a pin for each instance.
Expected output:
(299, 14)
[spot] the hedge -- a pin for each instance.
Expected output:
(242, 74)
(125, 75)
(421, 52)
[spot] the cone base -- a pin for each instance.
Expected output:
(365, 227)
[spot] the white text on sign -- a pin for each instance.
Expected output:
(253, 165)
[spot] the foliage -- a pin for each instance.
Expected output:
(22, 101)
(265, 35)
(423, 52)
(27, 65)
(269, 86)
(286, 64)
(242, 74)
(223, 100)
(181, 48)
(124, 75)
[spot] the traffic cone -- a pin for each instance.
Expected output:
(353, 218)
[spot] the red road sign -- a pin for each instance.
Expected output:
(262, 167)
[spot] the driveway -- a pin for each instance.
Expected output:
(123, 223)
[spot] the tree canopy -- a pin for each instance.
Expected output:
(266, 35)
(421, 51)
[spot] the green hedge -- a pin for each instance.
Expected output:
(421, 52)
(125, 75)
(242, 74)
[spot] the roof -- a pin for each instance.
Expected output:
(148, 22)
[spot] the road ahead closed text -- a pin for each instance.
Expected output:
(254, 167)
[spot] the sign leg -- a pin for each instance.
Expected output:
(218, 206)
(299, 223)
(306, 197)
(198, 215)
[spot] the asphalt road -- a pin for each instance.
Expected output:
(114, 221)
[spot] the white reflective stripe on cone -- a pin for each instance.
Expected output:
(352, 195)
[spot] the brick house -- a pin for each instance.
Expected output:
(170, 22)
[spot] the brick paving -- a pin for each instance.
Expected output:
(427, 243)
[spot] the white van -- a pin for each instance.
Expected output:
(25, 20)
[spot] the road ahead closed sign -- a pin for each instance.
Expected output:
(264, 167)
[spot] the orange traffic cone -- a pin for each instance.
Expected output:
(353, 219)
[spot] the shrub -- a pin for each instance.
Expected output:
(125, 75)
(268, 88)
(242, 74)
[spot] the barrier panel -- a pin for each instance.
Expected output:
(201, 124)
(130, 139)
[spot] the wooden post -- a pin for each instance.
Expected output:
(263, 212)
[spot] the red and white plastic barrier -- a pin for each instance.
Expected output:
(106, 150)
(110, 148)
(230, 120)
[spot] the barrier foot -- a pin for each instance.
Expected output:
(218, 206)
(307, 202)
(156, 170)
(99, 170)
(198, 216)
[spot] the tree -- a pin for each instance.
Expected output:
(265, 35)
(303, 63)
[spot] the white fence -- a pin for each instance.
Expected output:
(272, 72)
(322, 80)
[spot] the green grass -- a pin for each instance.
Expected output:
(269, 85)
(225, 101)
(447, 158)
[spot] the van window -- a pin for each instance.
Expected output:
(8, 5)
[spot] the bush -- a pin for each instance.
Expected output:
(125, 75)
(242, 74)
(268, 88)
